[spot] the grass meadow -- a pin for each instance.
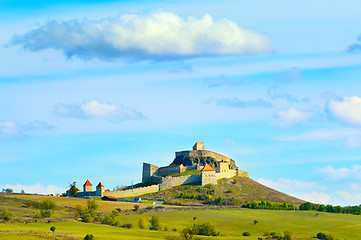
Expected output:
(230, 223)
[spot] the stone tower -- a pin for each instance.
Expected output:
(198, 146)
(87, 187)
(100, 190)
(208, 175)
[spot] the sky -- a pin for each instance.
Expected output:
(92, 89)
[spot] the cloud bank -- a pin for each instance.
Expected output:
(338, 174)
(36, 188)
(160, 35)
(346, 109)
(96, 109)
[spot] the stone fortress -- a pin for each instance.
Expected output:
(183, 171)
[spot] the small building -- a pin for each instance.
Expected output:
(208, 175)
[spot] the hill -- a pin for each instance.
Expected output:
(231, 223)
(235, 191)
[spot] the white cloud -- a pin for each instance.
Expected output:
(346, 110)
(96, 109)
(37, 188)
(315, 197)
(308, 191)
(338, 174)
(290, 185)
(10, 129)
(160, 35)
(290, 117)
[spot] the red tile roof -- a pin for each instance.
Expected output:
(87, 183)
(207, 167)
(100, 184)
(111, 197)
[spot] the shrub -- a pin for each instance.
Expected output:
(323, 236)
(46, 213)
(255, 222)
(89, 237)
(246, 234)
(87, 214)
(136, 207)
(287, 235)
(115, 213)
(141, 223)
(6, 215)
(48, 205)
(206, 229)
(52, 229)
(127, 225)
(154, 223)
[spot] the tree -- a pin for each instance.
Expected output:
(22, 192)
(141, 223)
(87, 214)
(92, 206)
(73, 189)
(255, 222)
(52, 229)
(306, 206)
(154, 223)
(8, 190)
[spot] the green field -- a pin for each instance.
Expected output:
(231, 223)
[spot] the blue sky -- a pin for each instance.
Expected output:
(92, 89)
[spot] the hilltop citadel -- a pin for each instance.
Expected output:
(192, 167)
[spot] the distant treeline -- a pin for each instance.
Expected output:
(329, 208)
(356, 210)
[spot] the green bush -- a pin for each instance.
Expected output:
(246, 234)
(127, 225)
(87, 214)
(89, 237)
(53, 229)
(323, 236)
(6, 215)
(141, 223)
(48, 205)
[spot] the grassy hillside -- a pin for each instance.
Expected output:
(234, 191)
(230, 222)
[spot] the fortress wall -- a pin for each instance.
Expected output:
(203, 153)
(226, 174)
(170, 182)
(148, 171)
(165, 171)
(243, 173)
(133, 192)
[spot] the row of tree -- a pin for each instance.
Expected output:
(356, 210)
